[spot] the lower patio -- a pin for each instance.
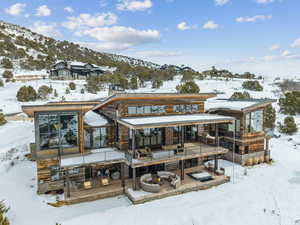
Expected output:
(115, 188)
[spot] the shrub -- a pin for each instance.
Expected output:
(252, 85)
(93, 85)
(26, 94)
(157, 83)
(2, 119)
(269, 117)
(1, 83)
(289, 126)
(240, 95)
(67, 91)
(72, 86)
(44, 91)
(7, 74)
(82, 91)
(6, 63)
(55, 93)
(189, 87)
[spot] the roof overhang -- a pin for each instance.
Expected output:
(153, 96)
(173, 120)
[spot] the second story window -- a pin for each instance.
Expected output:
(186, 108)
(149, 109)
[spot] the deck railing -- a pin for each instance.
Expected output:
(189, 150)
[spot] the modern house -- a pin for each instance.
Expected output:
(65, 70)
(161, 144)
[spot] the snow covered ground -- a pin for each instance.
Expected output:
(264, 194)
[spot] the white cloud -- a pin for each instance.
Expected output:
(264, 1)
(43, 10)
(27, 15)
(275, 47)
(296, 43)
(157, 53)
(15, 9)
(184, 26)
(46, 29)
(69, 9)
(120, 37)
(103, 3)
(286, 53)
(88, 20)
(253, 18)
(211, 25)
(134, 5)
(105, 46)
(221, 2)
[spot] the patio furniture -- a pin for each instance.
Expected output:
(104, 181)
(144, 153)
(87, 184)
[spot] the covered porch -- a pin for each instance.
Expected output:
(170, 139)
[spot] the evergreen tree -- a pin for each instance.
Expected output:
(26, 94)
(3, 210)
(157, 84)
(67, 91)
(290, 103)
(133, 83)
(6, 63)
(1, 83)
(189, 87)
(7, 74)
(252, 85)
(289, 127)
(82, 91)
(269, 117)
(240, 95)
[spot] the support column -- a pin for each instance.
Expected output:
(217, 135)
(133, 143)
(122, 175)
(182, 170)
(68, 184)
(182, 136)
(216, 163)
(233, 151)
(134, 186)
(81, 134)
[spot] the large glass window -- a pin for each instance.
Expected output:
(254, 121)
(186, 108)
(149, 109)
(176, 135)
(149, 137)
(100, 137)
(58, 129)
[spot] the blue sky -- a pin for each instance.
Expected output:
(261, 36)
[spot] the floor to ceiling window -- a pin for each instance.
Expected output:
(58, 130)
(150, 137)
(254, 121)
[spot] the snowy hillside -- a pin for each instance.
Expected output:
(267, 194)
(32, 51)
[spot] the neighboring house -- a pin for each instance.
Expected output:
(162, 143)
(74, 70)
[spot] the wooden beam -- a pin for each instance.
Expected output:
(81, 132)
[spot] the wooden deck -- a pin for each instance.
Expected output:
(139, 196)
(191, 150)
(187, 185)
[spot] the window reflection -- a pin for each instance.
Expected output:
(58, 129)
(254, 121)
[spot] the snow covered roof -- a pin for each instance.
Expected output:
(173, 120)
(97, 155)
(94, 119)
(236, 105)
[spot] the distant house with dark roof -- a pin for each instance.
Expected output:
(74, 70)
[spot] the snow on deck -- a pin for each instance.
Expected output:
(94, 119)
(175, 119)
(97, 155)
(227, 104)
